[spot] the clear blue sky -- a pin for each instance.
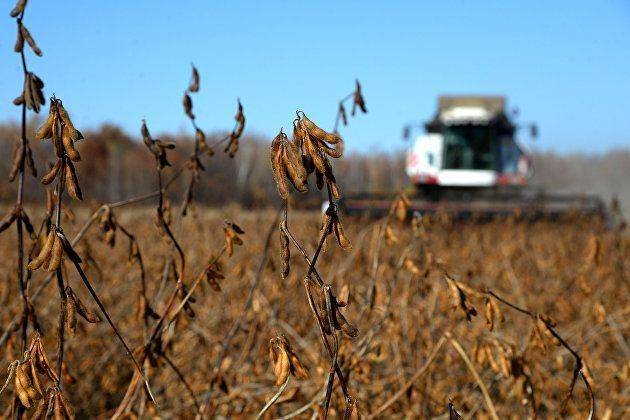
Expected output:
(565, 64)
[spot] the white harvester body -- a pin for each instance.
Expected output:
(470, 143)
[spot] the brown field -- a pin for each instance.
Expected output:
(178, 303)
(575, 272)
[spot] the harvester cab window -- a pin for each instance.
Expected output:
(468, 147)
(510, 155)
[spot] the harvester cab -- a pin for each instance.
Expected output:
(469, 144)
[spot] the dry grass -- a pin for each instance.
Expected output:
(546, 267)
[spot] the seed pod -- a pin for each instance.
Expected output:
(30, 163)
(32, 93)
(311, 150)
(65, 119)
(358, 100)
(24, 386)
(28, 98)
(319, 133)
(19, 8)
(68, 144)
(342, 114)
(194, 80)
(56, 254)
(231, 232)
(71, 315)
(285, 251)
(308, 164)
(45, 253)
(52, 173)
(19, 100)
(400, 207)
(332, 152)
(42, 409)
(67, 407)
(281, 183)
(460, 299)
(489, 314)
(348, 329)
(342, 239)
(343, 297)
(201, 141)
(292, 167)
(72, 182)
(81, 309)
(187, 102)
(19, 42)
(232, 147)
(50, 202)
(281, 367)
(36, 85)
(34, 377)
(334, 188)
(58, 411)
(319, 180)
(146, 135)
(18, 162)
(277, 166)
(31, 42)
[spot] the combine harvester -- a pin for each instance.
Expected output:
(469, 163)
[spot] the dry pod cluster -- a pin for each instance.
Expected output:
(332, 224)
(334, 320)
(58, 127)
(108, 225)
(51, 253)
(213, 272)
(54, 404)
(24, 34)
(358, 101)
(232, 147)
(286, 165)
(157, 147)
(316, 146)
(76, 307)
(460, 298)
(231, 232)
(200, 138)
(32, 95)
(26, 373)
